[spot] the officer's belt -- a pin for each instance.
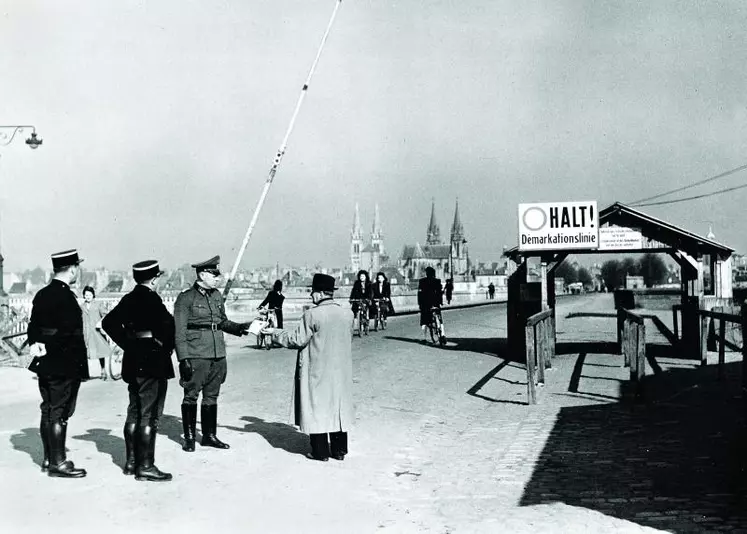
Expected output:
(54, 331)
(143, 334)
(209, 326)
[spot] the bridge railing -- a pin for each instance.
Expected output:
(540, 350)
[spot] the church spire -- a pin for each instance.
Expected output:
(434, 233)
(356, 232)
(457, 230)
(377, 222)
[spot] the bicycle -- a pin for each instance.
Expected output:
(436, 326)
(380, 317)
(268, 316)
(360, 320)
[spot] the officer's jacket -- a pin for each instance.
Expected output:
(144, 328)
(200, 317)
(57, 321)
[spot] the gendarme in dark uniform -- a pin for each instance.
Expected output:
(56, 326)
(200, 317)
(144, 328)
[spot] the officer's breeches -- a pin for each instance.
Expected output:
(207, 377)
(59, 397)
(147, 398)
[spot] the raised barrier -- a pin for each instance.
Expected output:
(540, 350)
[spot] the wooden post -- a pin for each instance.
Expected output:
(675, 323)
(744, 351)
(543, 287)
(531, 388)
(631, 348)
(540, 352)
(703, 340)
(721, 348)
(547, 341)
(620, 326)
(626, 338)
(641, 352)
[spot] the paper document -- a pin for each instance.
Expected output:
(256, 326)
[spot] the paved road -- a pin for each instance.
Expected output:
(443, 443)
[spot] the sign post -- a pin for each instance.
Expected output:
(558, 226)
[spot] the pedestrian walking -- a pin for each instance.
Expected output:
(97, 345)
(449, 289)
(200, 318)
(55, 337)
(142, 326)
(323, 383)
(491, 290)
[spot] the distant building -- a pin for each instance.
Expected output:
(371, 257)
(450, 260)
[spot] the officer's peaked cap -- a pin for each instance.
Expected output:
(212, 263)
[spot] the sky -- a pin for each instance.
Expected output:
(160, 121)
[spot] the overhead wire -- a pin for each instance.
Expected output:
(695, 197)
(640, 202)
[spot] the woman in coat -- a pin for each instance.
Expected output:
(381, 289)
(323, 388)
(361, 290)
(96, 344)
(274, 301)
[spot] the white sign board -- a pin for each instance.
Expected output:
(620, 238)
(559, 226)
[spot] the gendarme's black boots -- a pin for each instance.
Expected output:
(44, 434)
(130, 437)
(189, 424)
(209, 426)
(146, 469)
(59, 465)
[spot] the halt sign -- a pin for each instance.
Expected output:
(559, 226)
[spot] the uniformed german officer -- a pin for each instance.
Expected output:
(200, 317)
(55, 336)
(142, 326)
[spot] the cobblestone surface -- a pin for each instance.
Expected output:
(444, 443)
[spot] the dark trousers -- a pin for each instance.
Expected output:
(207, 377)
(279, 316)
(337, 444)
(147, 398)
(59, 397)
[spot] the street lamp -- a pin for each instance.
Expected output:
(6, 138)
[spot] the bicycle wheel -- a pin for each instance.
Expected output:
(364, 322)
(433, 329)
(441, 336)
(356, 327)
(114, 364)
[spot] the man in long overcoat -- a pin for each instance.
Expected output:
(323, 396)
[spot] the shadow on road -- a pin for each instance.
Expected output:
(675, 463)
(106, 443)
(171, 427)
(29, 441)
(278, 435)
(491, 346)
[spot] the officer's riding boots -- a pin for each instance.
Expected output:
(189, 423)
(146, 469)
(130, 437)
(44, 433)
(209, 427)
(59, 465)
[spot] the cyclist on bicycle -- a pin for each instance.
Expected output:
(274, 301)
(361, 291)
(383, 291)
(430, 295)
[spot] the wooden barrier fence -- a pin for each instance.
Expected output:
(540, 350)
(723, 319)
(632, 335)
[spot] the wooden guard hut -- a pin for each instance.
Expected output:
(705, 265)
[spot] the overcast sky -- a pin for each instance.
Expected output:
(160, 121)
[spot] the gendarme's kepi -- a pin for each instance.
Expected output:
(208, 265)
(146, 270)
(66, 258)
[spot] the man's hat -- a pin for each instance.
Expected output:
(211, 264)
(145, 270)
(323, 282)
(66, 258)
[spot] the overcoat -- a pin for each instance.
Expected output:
(95, 342)
(323, 388)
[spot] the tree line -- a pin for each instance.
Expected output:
(650, 266)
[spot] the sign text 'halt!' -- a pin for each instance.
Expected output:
(559, 226)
